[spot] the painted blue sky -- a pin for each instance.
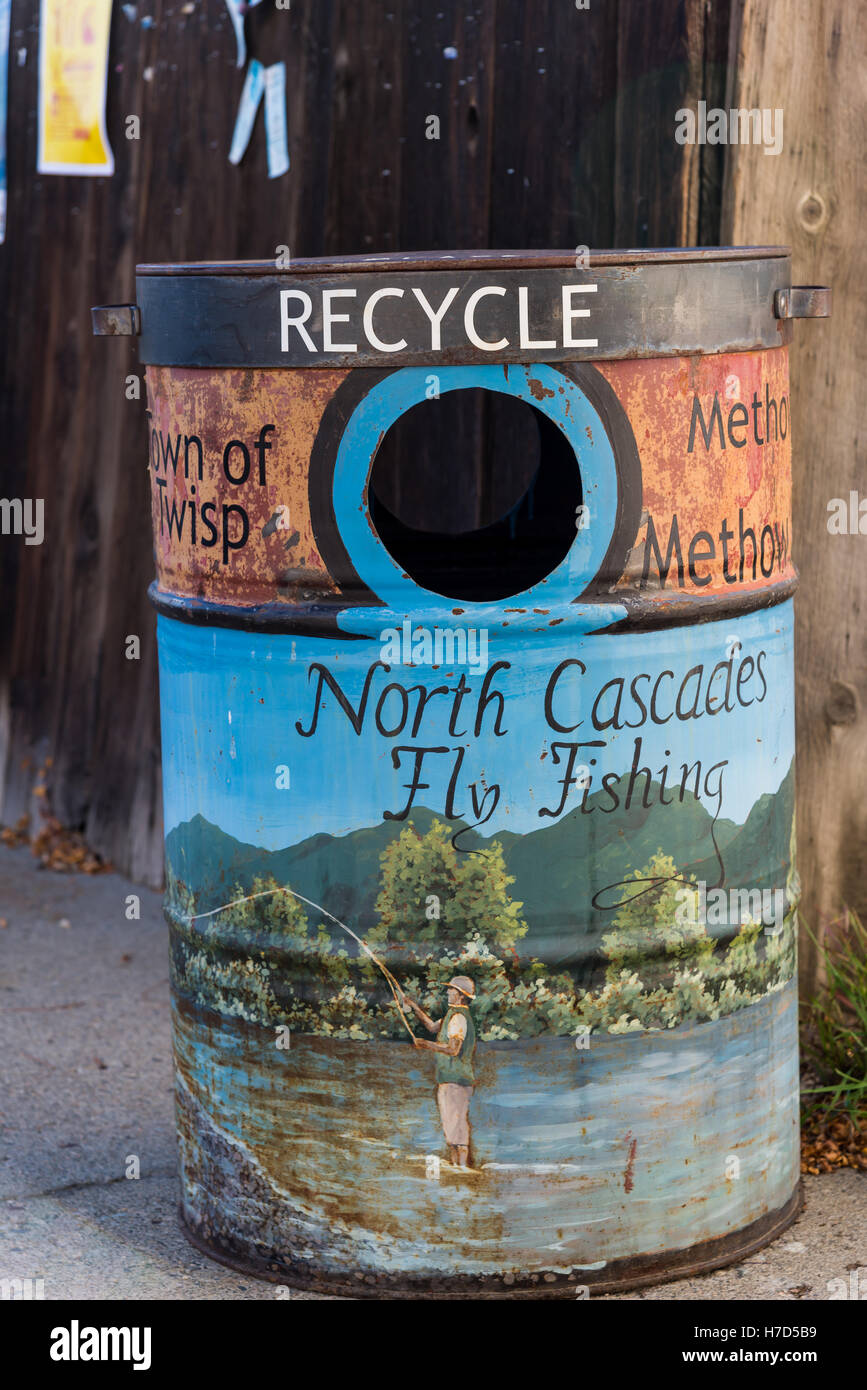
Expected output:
(230, 701)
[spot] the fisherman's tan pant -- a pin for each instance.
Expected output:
(454, 1107)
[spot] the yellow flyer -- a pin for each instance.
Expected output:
(73, 63)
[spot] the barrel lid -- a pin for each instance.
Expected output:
(428, 309)
(466, 260)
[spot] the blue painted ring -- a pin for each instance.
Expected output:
(550, 391)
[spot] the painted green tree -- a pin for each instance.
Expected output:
(433, 899)
(443, 913)
(652, 935)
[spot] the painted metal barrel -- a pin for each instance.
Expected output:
(474, 593)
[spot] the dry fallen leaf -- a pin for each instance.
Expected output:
(832, 1141)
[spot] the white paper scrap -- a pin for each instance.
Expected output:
(254, 85)
(275, 120)
(237, 19)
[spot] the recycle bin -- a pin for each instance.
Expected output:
(474, 593)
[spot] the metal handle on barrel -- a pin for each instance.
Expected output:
(116, 320)
(803, 302)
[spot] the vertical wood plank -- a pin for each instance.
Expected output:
(449, 74)
(813, 197)
(715, 75)
(364, 161)
(553, 129)
(660, 68)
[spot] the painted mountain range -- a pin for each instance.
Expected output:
(558, 869)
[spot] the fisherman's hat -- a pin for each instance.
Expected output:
(464, 984)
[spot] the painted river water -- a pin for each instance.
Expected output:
(637, 1145)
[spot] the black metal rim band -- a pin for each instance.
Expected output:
(550, 314)
(668, 609)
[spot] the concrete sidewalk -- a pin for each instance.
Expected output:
(86, 1083)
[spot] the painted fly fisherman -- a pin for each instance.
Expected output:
(454, 1046)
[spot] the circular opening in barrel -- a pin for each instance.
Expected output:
(474, 494)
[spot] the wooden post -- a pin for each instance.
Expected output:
(808, 59)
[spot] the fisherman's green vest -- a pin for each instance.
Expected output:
(457, 1071)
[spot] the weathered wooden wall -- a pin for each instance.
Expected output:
(556, 130)
(809, 60)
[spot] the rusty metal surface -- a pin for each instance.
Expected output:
(803, 302)
(115, 320)
(666, 609)
(466, 260)
(293, 566)
(635, 1273)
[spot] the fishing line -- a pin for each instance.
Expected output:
(657, 881)
(269, 892)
